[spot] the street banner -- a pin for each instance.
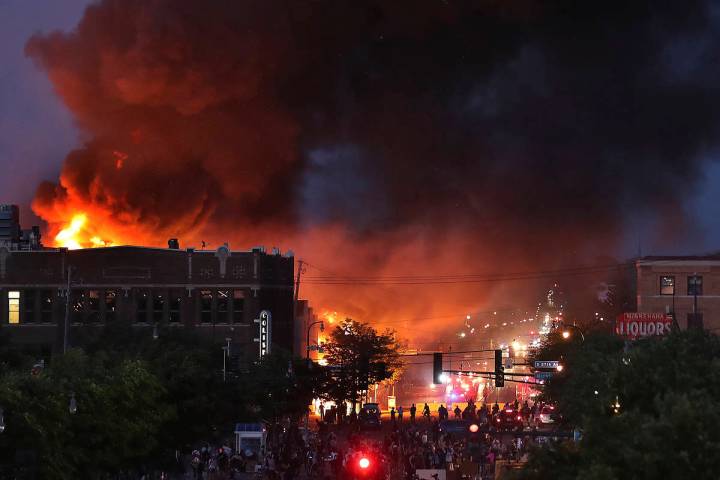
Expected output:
(636, 325)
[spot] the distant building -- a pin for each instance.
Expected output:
(216, 293)
(688, 286)
(12, 236)
(306, 322)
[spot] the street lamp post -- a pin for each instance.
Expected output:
(226, 354)
(322, 329)
(73, 404)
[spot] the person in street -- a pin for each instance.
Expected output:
(392, 415)
(322, 411)
(400, 413)
(495, 409)
(426, 411)
(413, 409)
(442, 412)
(525, 411)
(457, 412)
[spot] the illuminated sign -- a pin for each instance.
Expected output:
(546, 363)
(265, 338)
(635, 325)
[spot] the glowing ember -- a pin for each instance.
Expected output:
(77, 235)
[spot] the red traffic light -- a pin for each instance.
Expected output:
(364, 463)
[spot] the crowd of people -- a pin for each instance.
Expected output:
(410, 444)
(483, 414)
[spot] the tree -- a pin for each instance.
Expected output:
(283, 386)
(359, 356)
(668, 424)
(115, 428)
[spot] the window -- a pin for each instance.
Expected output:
(237, 306)
(158, 307)
(667, 285)
(46, 306)
(223, 306)
(77, 306)
(206, 306)
(28, 311)
(695, 286)
(14, 307)
(110, 305)
(93, 303)
(175, 304)
(141, 302)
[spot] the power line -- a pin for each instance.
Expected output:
(458, 278)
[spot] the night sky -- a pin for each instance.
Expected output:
(37, 130)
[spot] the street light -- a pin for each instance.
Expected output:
(226, 354)
(322, 329)
(73, 404)
(566, 333)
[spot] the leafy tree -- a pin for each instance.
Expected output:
(669, 419)
(359, 356)
(119, 414)
(283, 386)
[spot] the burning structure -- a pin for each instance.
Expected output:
(217, 293)
(466, 138)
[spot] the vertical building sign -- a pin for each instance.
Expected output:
(265, 338)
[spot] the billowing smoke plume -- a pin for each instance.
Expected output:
(441, 135)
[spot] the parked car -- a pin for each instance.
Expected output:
(508, 419)
(549, 415)
(370, 415)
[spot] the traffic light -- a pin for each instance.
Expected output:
(437, 368)
(499, 369)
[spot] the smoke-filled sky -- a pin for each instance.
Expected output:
(371, 137)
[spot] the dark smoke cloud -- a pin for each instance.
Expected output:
(528, 128)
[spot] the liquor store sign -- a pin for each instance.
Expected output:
(636, 325)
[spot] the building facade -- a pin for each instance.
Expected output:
(688, 286)
(12, 236)
(216, 293)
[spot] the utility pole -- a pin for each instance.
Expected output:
(695, 290)
(297, 280)
(67, 311)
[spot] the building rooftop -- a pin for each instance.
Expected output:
(680, 258)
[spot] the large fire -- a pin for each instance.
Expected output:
(79, 233)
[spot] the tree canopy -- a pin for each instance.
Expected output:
(668, 424)
(359, 356)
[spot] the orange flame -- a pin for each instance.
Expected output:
(77, 235)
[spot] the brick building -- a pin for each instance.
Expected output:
(217, 293)
(686, 285)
